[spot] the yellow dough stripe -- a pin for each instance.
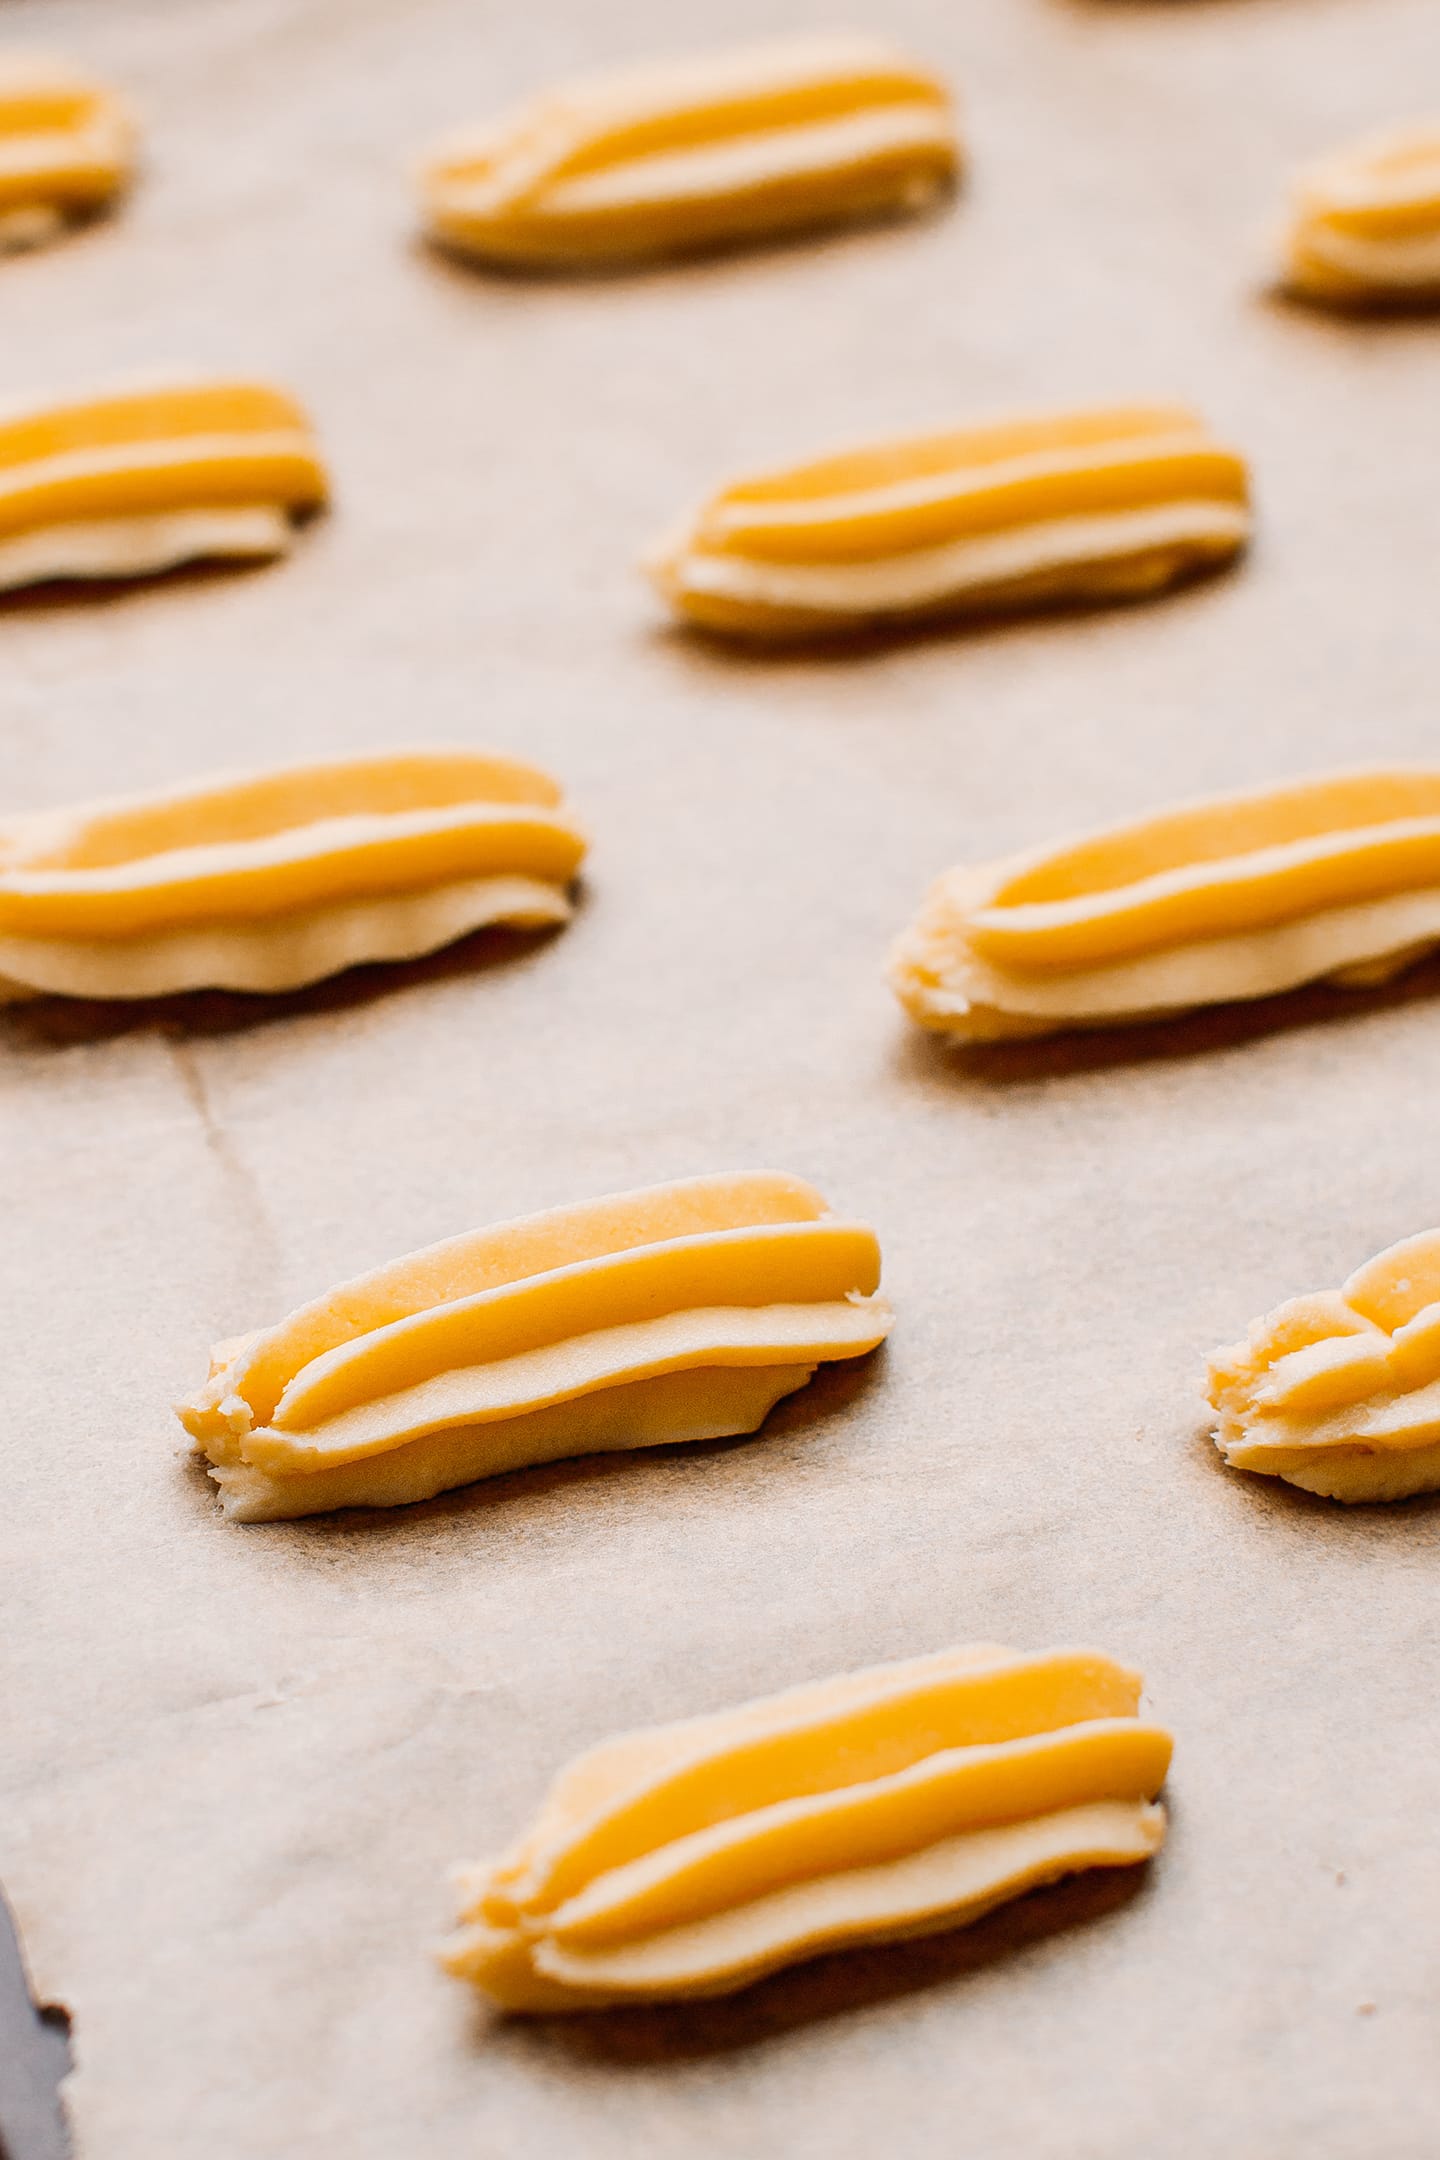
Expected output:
(724, 1279)
(1236, 897)
(689, 1859)
(1075, 505)
(1340, 1391)
(1365, 224)
(669, 158)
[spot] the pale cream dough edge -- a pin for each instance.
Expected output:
(1352, 1475)
(636, 1414)
(283, 953)
(124, 547)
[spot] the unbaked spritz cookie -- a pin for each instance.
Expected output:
(1339, 1392)
(130, 481)
(701, 153)
(269, 880)
(1365, 224)
(691, 1859)
(1240, 896)
(1110, 504)
(67, 148)
(683, 1312)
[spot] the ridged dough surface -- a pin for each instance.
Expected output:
(1113, 503)
(690, 1859)
(1364, 225)
(127, 481)
(676, 1313)
(1238, 897)
(270, 880)
(1339, 1392)
(67, 147)
(681, 156)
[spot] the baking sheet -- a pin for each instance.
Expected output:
(239, 1762)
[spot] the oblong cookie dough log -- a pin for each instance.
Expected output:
(1364, 224)
(267, 881)
(690, 1859)
(1240, 896)
(1107, 504)
(688, 155)
(1339, 1391)
(124, 482)
(67, 148)
(679, 1312)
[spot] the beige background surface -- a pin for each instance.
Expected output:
(240, 1761)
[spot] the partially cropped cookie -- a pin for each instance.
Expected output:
(691, 1859)
(1364, 225)
(67, 148)
(1112, 504)
(683, 1312)
(1339, 1392)
(1240, 896)
(701, 153)
(268, 880)
(126, 482)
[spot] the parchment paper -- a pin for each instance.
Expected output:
(239, 1762)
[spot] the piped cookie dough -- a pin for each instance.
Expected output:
(128, 482)
(1339, 1392)
(67, 148)
(269, 880)
(690, 1859)
(1110, 504)
(682, 1312)
(1334, 879)
(668, 159)
(1364, 225)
